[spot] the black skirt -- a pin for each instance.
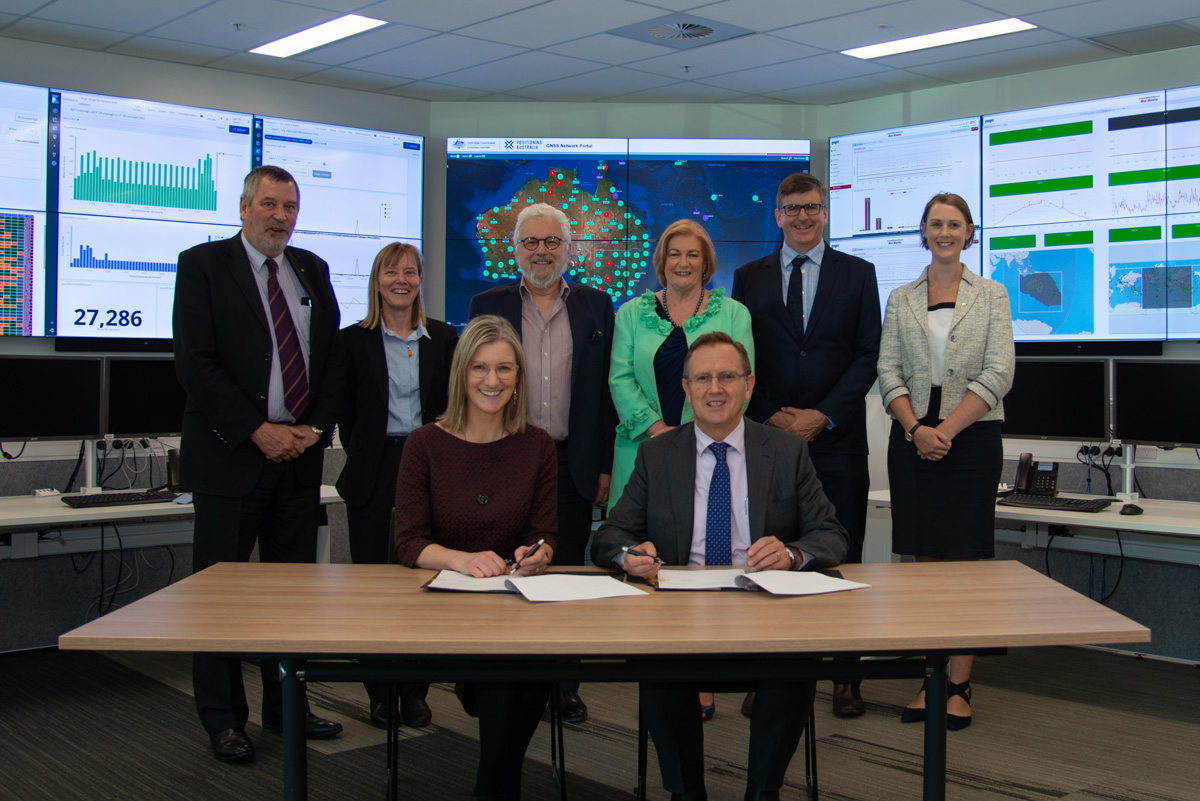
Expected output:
(946, 508)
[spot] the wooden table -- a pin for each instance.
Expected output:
(312, 616)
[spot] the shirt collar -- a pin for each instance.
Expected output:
(257, 260)
(816, 255)
(565, 288)
(735, 440)
(416, 334)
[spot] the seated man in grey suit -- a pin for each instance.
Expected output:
(718, 491)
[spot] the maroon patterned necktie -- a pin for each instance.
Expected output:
(291, 361)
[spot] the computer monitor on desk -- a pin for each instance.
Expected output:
(144, 398)
(1058, 399)
(51, 398)
(1154, 403)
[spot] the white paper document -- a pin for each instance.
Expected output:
(548, 587)
(777, 582)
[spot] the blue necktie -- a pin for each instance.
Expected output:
(716, 533)
(795, 295)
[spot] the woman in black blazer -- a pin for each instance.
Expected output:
(397, 372)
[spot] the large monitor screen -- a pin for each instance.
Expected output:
(879, 182)
(51, 398)
(1058, 399)
(619, 195)
(1154, 402)
(100, 194)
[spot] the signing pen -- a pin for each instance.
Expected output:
(517, 563)
(631, 551)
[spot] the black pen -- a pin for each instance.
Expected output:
(631, 551)
(517, 563)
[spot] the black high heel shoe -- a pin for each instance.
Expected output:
(912, 714)
(963, 691)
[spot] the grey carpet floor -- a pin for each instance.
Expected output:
(1054, 724)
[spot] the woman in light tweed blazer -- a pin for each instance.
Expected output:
(945, 364)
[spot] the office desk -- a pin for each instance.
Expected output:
(23, 516)
(310, 615)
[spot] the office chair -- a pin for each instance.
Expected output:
(810, 756)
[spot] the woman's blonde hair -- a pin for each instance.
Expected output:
(484, 330)
(685, 228)
(392, 254)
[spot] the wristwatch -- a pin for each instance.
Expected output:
(908, 434)
(792, 557)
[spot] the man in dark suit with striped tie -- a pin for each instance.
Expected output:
(254, 324)
(722, 490)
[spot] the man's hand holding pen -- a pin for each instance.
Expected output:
(642, 562)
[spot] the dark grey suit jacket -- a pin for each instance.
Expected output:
(786, 500)
(830, 366)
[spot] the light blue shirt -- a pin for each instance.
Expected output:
(810, 272)
(300, 306)
(404, 379)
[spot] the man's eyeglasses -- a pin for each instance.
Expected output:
(792, 209)
(704, 380)
(532, 242)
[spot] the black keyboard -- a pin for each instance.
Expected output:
(1056, 502)
(118, 498)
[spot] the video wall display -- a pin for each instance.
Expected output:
(1087, 212)
(619, 194)
(99, 194)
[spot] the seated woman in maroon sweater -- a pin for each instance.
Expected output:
(477, 487)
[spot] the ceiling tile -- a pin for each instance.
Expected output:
(610, 82)
(518, 71)
(261, 21)
(131, 16)
(444, 15)
(685, 92)
(62, 33)
(859, 88)
(265, 65)
(561, 21)
(352, 79)
(799, 73)
(997, 44)
(365, 44)
(991, 65)
(608, 49)
(6, 19)
(1018, 8)
(168, 50)
(909, 18)
(1109, 16)
(425, 90)
(728, 56)
(22, 7)
(434, 56)
(767, 15)
(340, 6)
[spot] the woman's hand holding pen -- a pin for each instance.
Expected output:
(643, 562)
(532, 560)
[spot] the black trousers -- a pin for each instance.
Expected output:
(369, 533)
(508, 716)
(281, 517)
(776, 726)
(574, 514)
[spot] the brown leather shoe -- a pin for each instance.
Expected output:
(847, 701)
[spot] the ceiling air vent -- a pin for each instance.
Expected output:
(681, 30)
